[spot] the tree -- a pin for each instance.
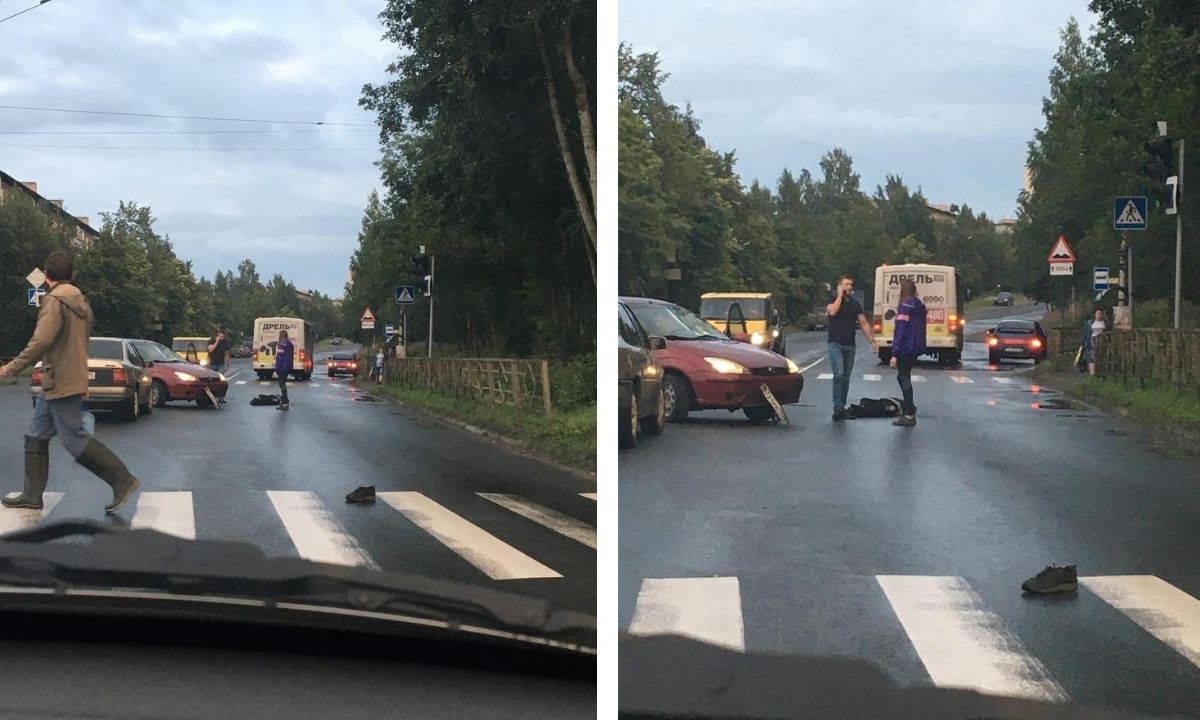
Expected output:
(26, 237)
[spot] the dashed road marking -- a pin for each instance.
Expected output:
(170, 512)
(825, 376)
(564, 525)
(705, 609)
(961, 643)
(872, 378)
(316, 533)
(919, 378)
(962, 379)
(1160, 608)
(496, 558)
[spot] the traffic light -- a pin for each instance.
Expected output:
(420, 265)
(1161, 171)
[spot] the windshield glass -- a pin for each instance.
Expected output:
(157, 353)
(673, 322)
(718, 308)
(183, 346)
(1015, 327)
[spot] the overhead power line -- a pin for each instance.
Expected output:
(184, 117)
(10, 17)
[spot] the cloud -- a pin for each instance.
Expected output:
(299, 211)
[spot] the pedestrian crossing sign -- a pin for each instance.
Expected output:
(1129, 213)
(406, 294)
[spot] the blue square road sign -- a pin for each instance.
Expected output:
(1129, 213)
(406, 294)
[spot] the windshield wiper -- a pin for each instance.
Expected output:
(117, 557)
(683, 337)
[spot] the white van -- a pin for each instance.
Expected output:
(940, 287)
(266, 336)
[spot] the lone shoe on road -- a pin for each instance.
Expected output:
(362, 495)
(109, 468)
(906, 421)
(37, 469)
(1052, 580)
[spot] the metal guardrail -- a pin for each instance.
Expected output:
(1169, 357)
(519, 383)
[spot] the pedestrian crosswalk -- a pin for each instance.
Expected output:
(959, 640)
(958, 378)
(315, 531)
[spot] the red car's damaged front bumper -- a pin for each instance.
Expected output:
(718, 390)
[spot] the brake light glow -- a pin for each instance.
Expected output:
(993, 341)
(1035, 343)
(119, 376)
(878, 323)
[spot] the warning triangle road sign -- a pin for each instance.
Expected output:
(405, 296)
(368, 315)
(1130, 215)
(1062, 252)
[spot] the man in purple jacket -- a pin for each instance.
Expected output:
(908, 344)
(283, 365)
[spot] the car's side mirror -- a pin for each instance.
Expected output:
(148, 364)
(991, 330)
(658, 343)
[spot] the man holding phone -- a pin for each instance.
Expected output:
(844, 313)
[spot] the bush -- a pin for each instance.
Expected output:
(573, 383)
(1160, 313)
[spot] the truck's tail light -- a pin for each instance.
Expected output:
(255, 356)
(35, 378)
(1035, 343)
(993, 341)
(953, 323)
(120, 377)
(878, 323)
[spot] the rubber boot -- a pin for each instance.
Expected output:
(37, 470)
(109, 468)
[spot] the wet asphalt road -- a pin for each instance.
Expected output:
(278, 480)
(908, 547)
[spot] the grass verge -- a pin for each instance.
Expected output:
(567, 436)
(1159, 406)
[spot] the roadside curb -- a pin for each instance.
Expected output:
(1116, 412)
(513, 445)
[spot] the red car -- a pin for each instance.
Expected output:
(704, 369)
(173, 378)
(342, 364)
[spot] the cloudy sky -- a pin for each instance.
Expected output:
(296, 212)
(945, 94)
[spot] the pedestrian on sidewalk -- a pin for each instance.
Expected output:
(60, 341)
(1092, 327)
(218, 354)
(844, 314)
(284, 350)
(908, 343)
(379, 357)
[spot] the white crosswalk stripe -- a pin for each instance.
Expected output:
(1002, 380)
(959, 640)
(316, 534)
(240, 382)
(919, 378)
(961, 643)
(825, 376)
(705, 609)
(1161, 609)
(497, 559)
(168, 512)
(872, 378)
(962, 379)
(12, 520)
(562, 524)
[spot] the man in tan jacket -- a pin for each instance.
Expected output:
(61, 343)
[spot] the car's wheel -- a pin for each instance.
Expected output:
(947, 358)
(993, 359)
(628, 434)
(330, 376)
(656, 423)
(203, 401)
(759, 414)
(677, 396)
(158, 393)
(264, 374)
(147, 407)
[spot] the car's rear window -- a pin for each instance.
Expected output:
(105, 350)
(1015, 328)
(180, 346)
(343, 356)
(718, 308)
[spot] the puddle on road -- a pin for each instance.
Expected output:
(1058, 403)
(366, 398)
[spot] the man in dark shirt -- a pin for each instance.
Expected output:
(218, 352)
(844, 314)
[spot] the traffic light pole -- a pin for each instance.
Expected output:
(1179, 237)
(432, 262)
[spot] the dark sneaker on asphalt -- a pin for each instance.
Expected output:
(839, 415)
(362, 494)
(905, 421)
(1053, 580)
(283, 407)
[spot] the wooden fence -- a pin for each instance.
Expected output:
(519, 383)
(1169, 357)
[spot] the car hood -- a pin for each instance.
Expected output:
(190, 368)
(744, 354)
